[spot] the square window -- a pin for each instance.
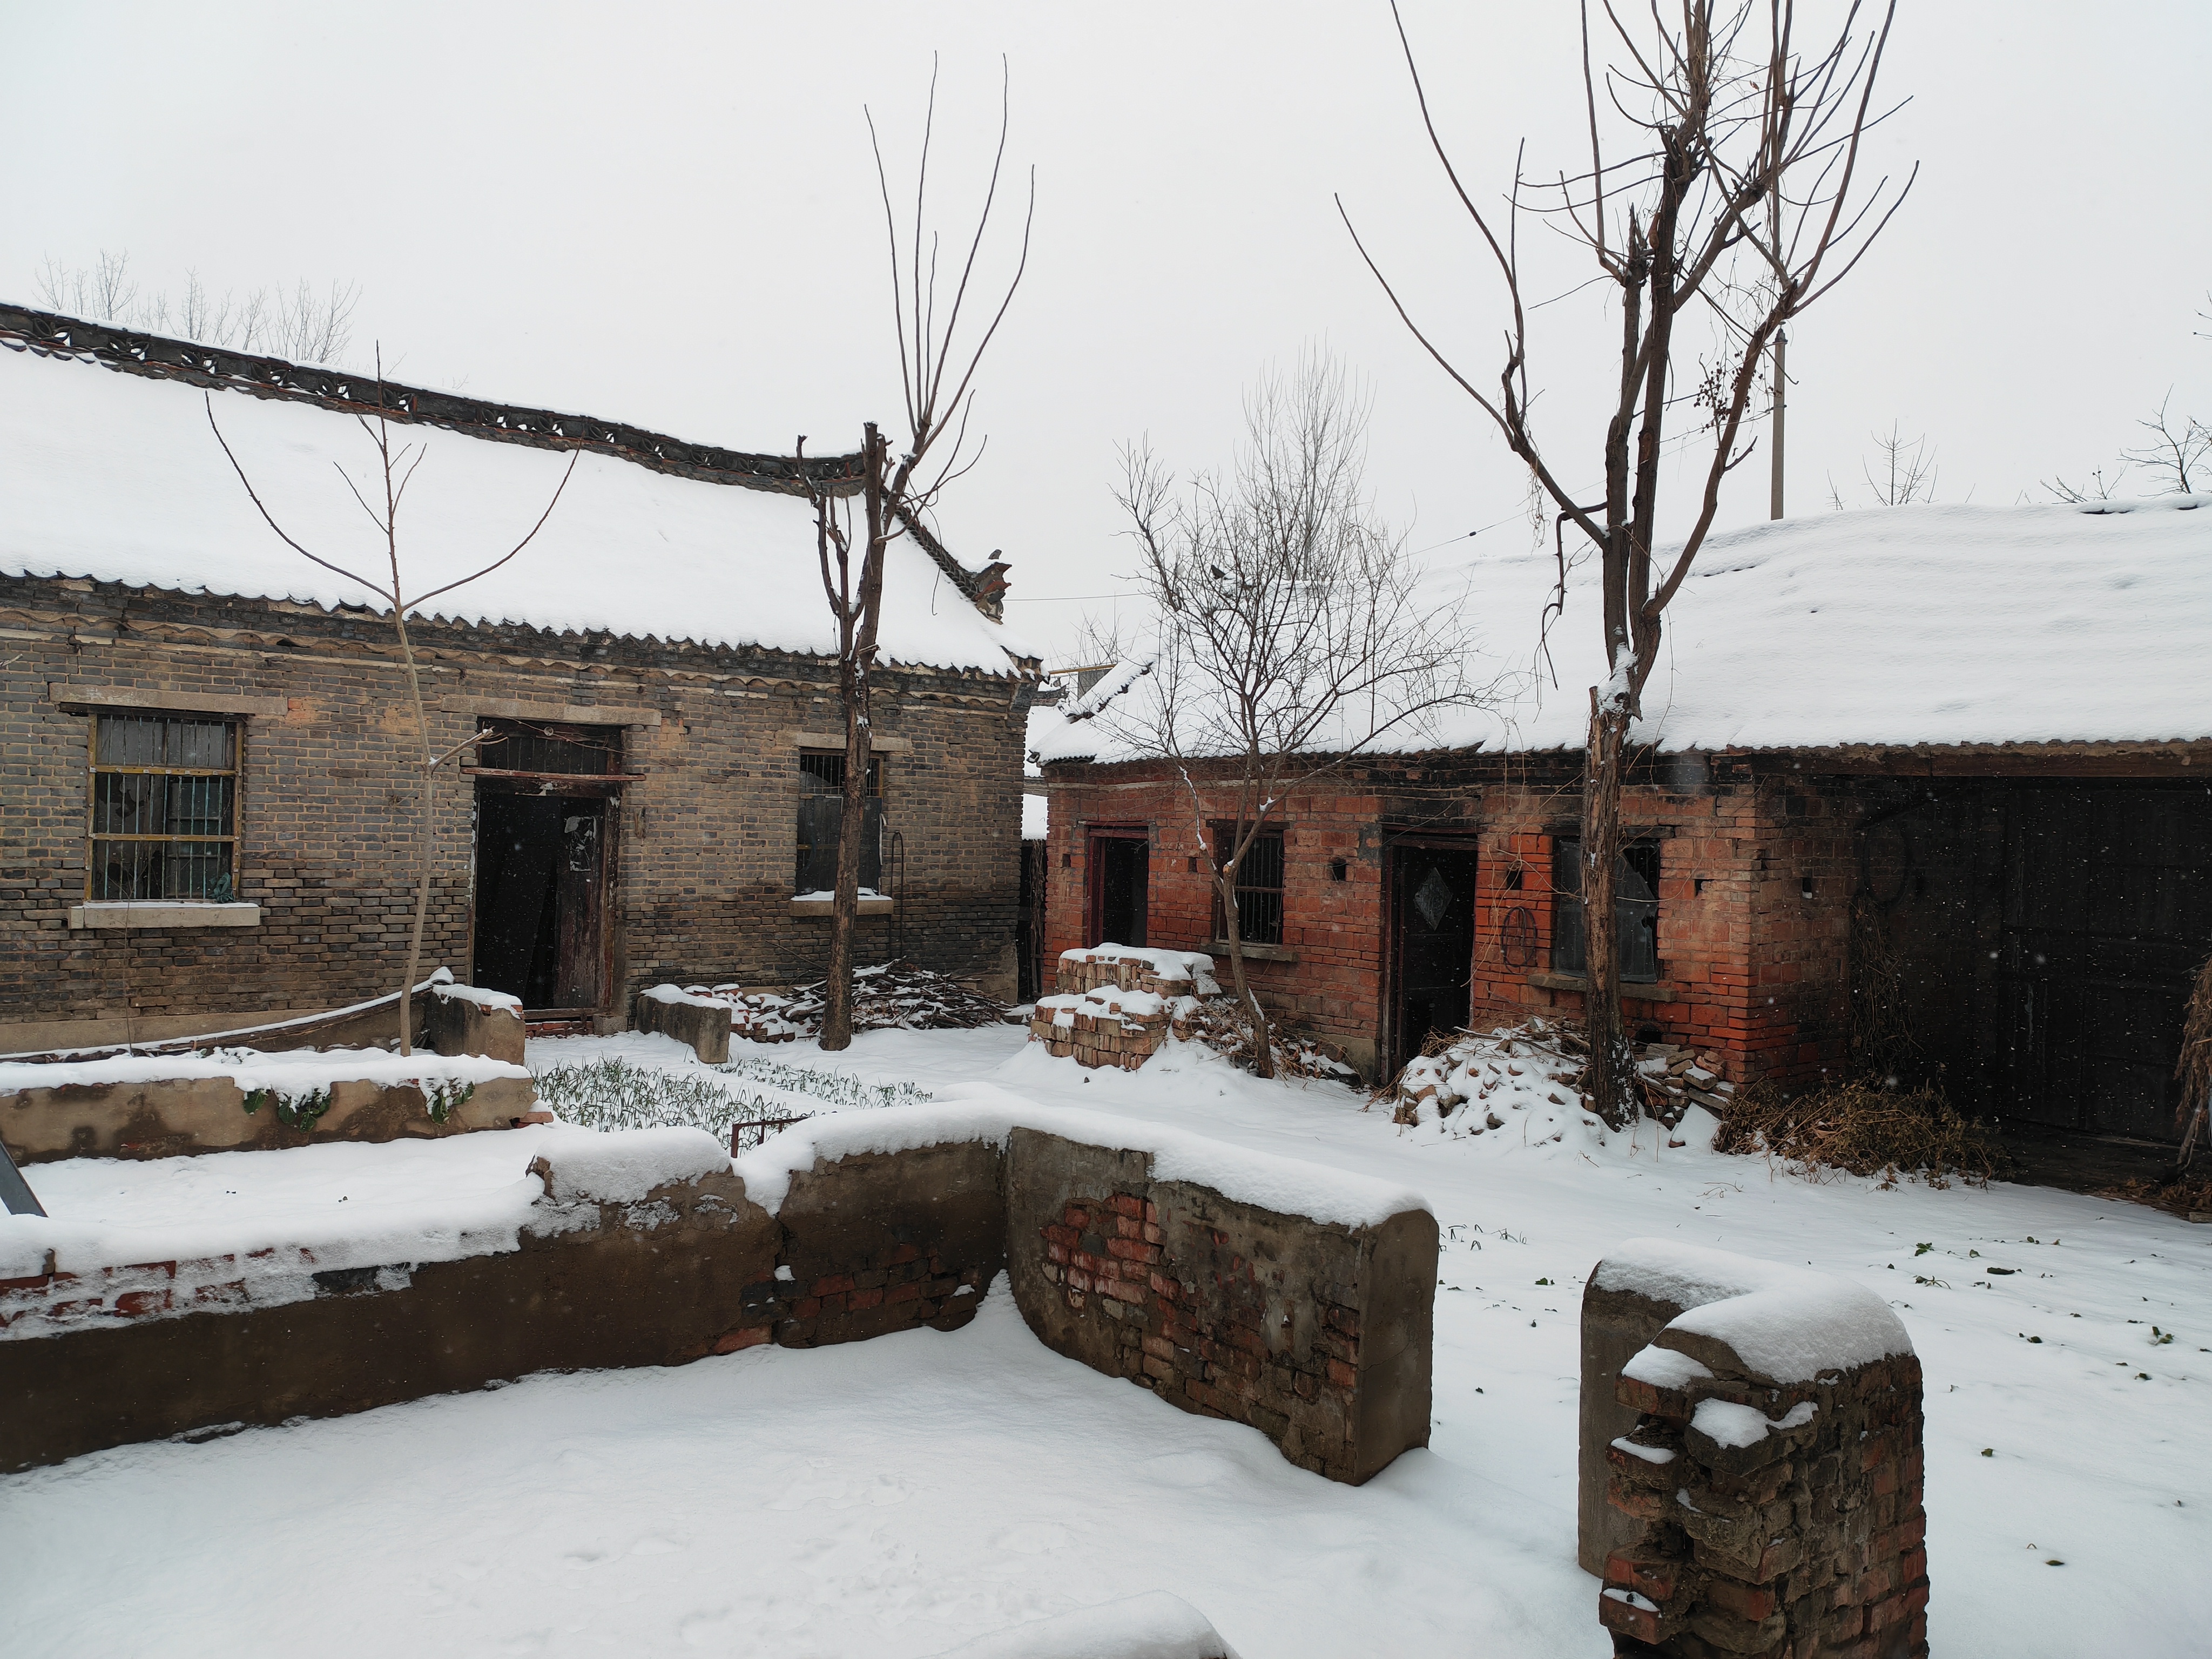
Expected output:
(1259, 887)
(1635, 910)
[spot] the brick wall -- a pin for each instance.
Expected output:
(705, 840)
(1317, 1334)
(1756, 870)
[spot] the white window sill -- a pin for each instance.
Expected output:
(873, 905)
(140, 914)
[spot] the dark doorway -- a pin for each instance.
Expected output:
(1432, 930)
(1121, 881)
(541, 862)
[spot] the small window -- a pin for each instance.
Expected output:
(1635, 910)
(163, 818)
(822, 814)
(1259, 887)
(543, 750)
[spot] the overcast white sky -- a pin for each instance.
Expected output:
(667, 214)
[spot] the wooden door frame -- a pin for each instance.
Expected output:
(1436, 840)
(559, 786)
(1094, 875)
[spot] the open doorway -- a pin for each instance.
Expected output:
(547, 801)
(1121, 883)
(539, 863)
(1432, 937)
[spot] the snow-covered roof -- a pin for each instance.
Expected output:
(116, 476)
(1900, 626)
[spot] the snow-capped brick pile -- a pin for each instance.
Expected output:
(1478, 1082)
(232, 1099)
(1118, 1003)
(1766, 1497)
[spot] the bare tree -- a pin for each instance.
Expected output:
(387, 490)
(298, 323)
(1735, 199)
(1904, 471)
(2173, 454)
(2098, 489)
(937, 368)
(1290, 636)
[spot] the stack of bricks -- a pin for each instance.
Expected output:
(1111, 1011)
(1799, 1533)
(1103, 1027)
(1196, 1331)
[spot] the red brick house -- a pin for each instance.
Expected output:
(1934, 781)
(208, 761)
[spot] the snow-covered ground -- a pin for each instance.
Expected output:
(898, 1496)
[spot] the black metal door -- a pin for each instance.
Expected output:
(1432, 922)
(541, 870)
(2107, 912)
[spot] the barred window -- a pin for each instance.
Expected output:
(1259, 887)
(163, 820)
(822, 815)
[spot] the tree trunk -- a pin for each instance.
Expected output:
(1263, 1037)
(429, 831)
(1609, 1080)
(837, 1011)
(853, 677)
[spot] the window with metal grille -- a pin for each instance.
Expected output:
(537, 747)
(1258, 886)
(1635, 910)
(822, 816)
(161, 822)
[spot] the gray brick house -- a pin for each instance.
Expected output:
(206, 800)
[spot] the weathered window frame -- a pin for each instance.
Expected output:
(821, 781)
(1635, 918)
(223, 781)
(1262, 906)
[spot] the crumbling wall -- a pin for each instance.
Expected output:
(1313, 1330)
(1769, 1488)
(1318, 1334)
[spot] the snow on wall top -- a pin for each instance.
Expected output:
(118, 477)
(291, 1072)
(984, 1112)
(1787, 1323)
(1931, 624)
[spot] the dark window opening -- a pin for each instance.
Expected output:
(824, 769)
(1258, 886)
(1339, 869)
(550, 750)
(163, 822)
(821, 818)
(1635, 910)
(1513, 879)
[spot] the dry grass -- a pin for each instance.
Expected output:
(2178, 1197)
(1860, 1128)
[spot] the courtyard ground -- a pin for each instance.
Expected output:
(897, 1496)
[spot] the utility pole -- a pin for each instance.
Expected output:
(1780, 381)
(1781, 348)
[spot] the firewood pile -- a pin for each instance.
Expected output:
(891, 996)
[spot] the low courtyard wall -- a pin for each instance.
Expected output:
(173, 1106)
(1277, 1294)
(1751, 1461)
